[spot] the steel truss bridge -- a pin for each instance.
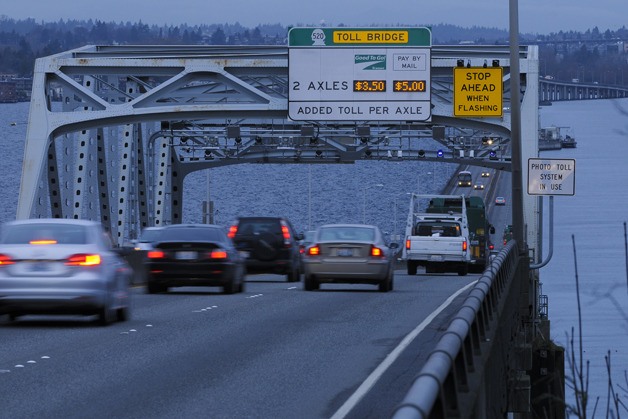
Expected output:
(134, 121)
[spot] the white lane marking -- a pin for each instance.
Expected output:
(19, 366)
(292, 288)
(4, 371)
(149, 325)
(255, 296)
(45, 357)
(31, 362)
(392, 357)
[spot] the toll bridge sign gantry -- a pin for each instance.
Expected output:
(359, 74)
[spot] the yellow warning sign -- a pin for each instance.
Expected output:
(478, 91)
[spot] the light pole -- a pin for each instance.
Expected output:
(395, 237)
(378, 185)
(309, 198)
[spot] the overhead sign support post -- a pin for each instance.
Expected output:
(359, 74)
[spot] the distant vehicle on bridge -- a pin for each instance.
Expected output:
(464, 178)
(479, 227)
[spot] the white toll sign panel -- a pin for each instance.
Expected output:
(359, 74)
(551, 176)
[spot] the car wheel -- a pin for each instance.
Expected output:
(412, 267)
(230, 288)
(123, 314)
(310, 283)
(294, 274)
(463, 270)
(105, 315)
(154, 288)
(387, 284)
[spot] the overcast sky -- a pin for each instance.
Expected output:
(535, 16)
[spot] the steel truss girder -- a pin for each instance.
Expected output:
(159, 113)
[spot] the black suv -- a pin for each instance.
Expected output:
(269, 244)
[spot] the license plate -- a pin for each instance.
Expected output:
(345, 252)
(436, 257)
(40, 267)
(186, 255)
(245, 254)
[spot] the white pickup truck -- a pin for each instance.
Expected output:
(439, 242)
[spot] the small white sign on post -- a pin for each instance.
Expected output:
(551, 176)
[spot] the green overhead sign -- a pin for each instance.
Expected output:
(392, 37)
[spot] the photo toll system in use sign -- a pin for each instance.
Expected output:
(359, 74)
(551, 177)
(478, 91)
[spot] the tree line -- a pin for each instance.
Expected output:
(592, 55)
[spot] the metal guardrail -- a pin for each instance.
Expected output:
(467, 374)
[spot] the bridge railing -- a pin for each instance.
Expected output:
(467, 374)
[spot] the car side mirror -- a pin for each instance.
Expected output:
(491, 229)
(299, 236)
(393, 245)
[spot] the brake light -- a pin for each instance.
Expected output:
(285, 231)
(314, 250)
(491, 246)
(83, 260)
(464, 246)
(232, 231)
(155, 254)
(218, 254)
(6, 260)
(301, 249)
(408, 244)
(376, 251)
(42, 242)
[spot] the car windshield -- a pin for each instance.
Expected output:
(438, 229)
(247, 227)
(44, 234)
(149, 235)
(341, 233)
(308, 237)
(201, 234)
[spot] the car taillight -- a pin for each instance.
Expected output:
(218, 254)
(408, 244)
(232, 231)
(83, 260)
(301, 249)
(376, 251)
(285, 231)
(464, 246)
(491, 247)
(155, 254)
(6, 260)
(314, 250)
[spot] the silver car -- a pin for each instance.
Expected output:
(62, 266)
(349, 253)
(147, 238)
